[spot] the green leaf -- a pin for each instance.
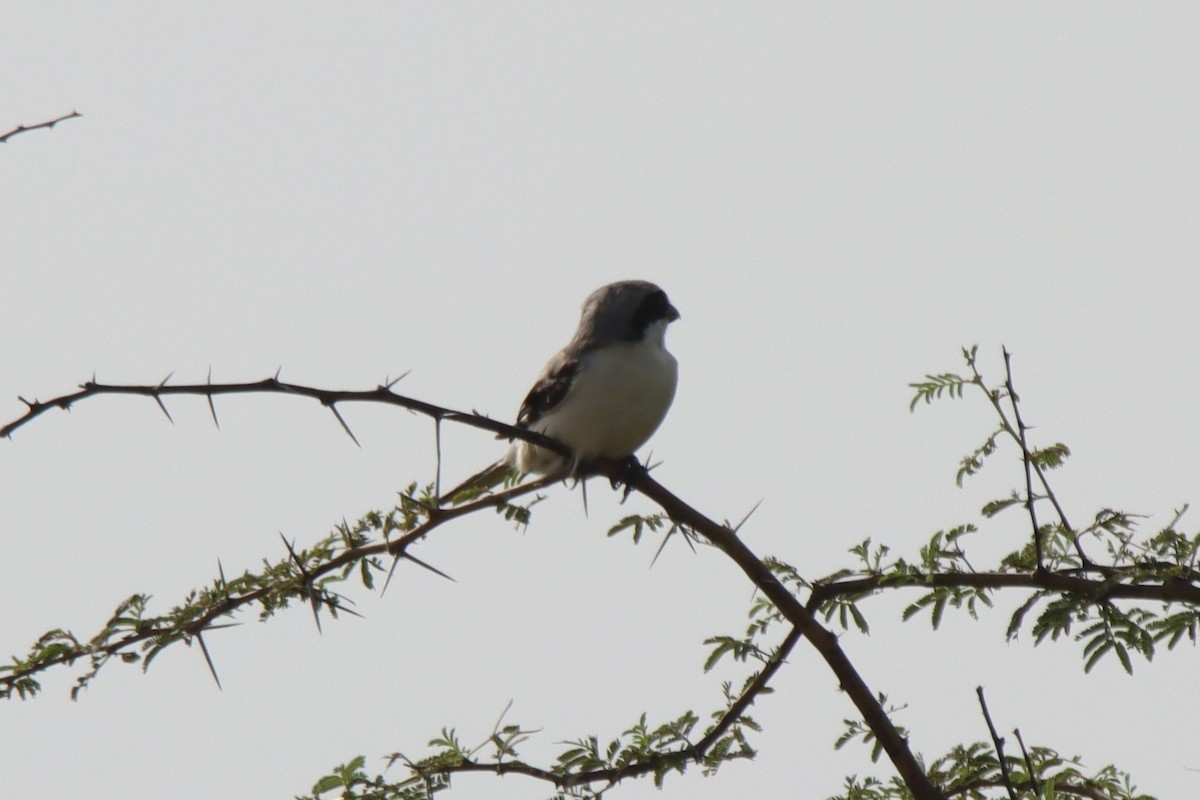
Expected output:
(1050, 457)
(994, 507)
(327, 784)
(935, 386)
(859, 619)
(1104, 647)
(1123, 654)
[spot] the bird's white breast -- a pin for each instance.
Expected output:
(620, 395)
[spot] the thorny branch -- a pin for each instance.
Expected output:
(1090, 583)
(326, 397)
(47, 125)
(635, 478)
(1017, 429)
(1170, 590)
(230, 604)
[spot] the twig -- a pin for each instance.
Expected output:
(1026, 457)
(740, 705)
(1171, 590)
(999, 742)
(47, 125)
(327, 397)
(1037, 788)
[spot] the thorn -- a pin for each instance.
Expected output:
(583, 491)
(346, 610)
(429, 567)
(661, 547)
(738, 527)
(388, 580)
(158, 400)
(390, 384)
(507, 707)
(688, 539)
(316, 607)
(305, 590)
(291, 552)
(221, 570)
(345, 427)
(211, 407)
(437, 444)
(164, 380)
(277, 373)
(208, 659)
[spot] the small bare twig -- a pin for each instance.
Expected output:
(999, 742)
(1033, 781)
(47, 125)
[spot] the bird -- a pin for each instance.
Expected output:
(603, 395)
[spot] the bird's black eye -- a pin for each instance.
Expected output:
(655, 306)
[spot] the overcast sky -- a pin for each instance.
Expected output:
(837, 197)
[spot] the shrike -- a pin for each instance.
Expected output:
(602, 395)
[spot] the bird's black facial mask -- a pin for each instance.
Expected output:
(654, 307)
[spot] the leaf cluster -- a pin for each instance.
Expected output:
(1106, 585)
(311, 575)
(973, 772)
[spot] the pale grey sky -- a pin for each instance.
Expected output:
(836, 196)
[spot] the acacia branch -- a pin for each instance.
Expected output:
(299, 582)
(822, 639)
(998, 741)
(694, 753)
(636, 478)
(739, 706)
(1065, 787)
(1171, 590)
(326, 397)
(47, 125)
(1027, 462)
(1016, 429)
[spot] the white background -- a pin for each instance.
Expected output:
(837, 197)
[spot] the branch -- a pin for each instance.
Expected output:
(1017, 433)
(738, 707)
(47, 125)
(631, 475)
(1027, 462)
(1171, 590)
(326, 397)
(299, 580)
(998, 741)
(806, 624)
(655, 762)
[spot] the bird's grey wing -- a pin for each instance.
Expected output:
(550, 389)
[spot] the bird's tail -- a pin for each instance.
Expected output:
(479, 483)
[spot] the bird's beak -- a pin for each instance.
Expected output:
(672, 313)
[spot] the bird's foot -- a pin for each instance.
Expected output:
(627, 474)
